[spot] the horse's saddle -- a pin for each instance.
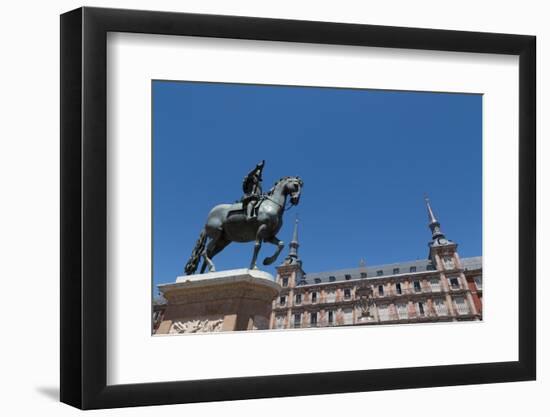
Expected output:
(238, 207)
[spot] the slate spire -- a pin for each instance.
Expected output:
(293, 245)
(437, 235)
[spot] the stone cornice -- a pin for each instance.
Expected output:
(240, 283)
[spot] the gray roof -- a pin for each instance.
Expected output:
(472, 263)
(420, 265)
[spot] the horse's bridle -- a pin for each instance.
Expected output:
(266, 196)
(280, 205)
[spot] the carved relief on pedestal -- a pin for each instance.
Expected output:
(196, 326)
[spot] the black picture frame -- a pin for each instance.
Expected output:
(84, 207)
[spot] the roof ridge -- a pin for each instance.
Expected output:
(381, 266)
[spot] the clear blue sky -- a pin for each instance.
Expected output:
(366, 157)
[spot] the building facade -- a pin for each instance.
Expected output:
(442, 287)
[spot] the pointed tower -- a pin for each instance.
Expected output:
(445, 259)
(438, 238)
(289, 275)
(292, 256)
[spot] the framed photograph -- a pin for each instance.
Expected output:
(257, 208)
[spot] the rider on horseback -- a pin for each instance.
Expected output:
(252, 188)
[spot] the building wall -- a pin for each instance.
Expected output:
(475, 284)
(430, 302)
(447, 293)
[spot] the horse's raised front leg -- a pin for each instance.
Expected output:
(280, 245)
(257, 246)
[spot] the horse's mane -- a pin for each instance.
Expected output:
(272, 189)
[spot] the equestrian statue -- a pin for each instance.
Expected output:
(256, 217)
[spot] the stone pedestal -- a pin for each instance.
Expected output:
(239, 299)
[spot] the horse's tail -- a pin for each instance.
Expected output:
(193, 262)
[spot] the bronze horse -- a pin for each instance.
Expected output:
(228, 223)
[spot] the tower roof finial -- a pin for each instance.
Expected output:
(294, 244)
(431, 216)
(295, 232)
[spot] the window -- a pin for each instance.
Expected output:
(313, 319)
(461, 306)
(313, 297)
(420, 306)
(430, 267)
(380, 290)
(402, 311)
(363, 274)
(455, 285)
(440, 307)
(297, 319)
(417, 287)
(317, 280)
(348, 277)
(285, 282)
(412, 269)
(379, 273)
(396, 271)
(331, 296)
(279, 322)
(383, 312)
(348, 316)
(298, 298)
(478, 282)
(330, 317)
(332, 278)
(435, 285)
(282, 301)
(398, 288)
(347, 293)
